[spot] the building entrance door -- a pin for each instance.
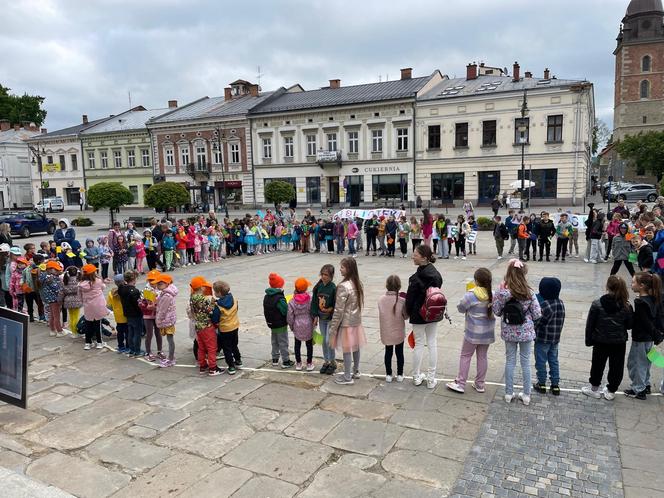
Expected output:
(333, 190)
(489, 186)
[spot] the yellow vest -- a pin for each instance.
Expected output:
(229, 321)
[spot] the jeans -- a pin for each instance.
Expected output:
(443, 249)
(615, 353)
(134, 333)
(467, 351)
(351, 246)
(638, 365)
(328, 351)
(421, 332)
(546, 352)
(122, 331)
(340, 244)
(398, 349)
(525, 350)
(355, 363)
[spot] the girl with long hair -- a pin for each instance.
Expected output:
(392, 318)
(92, 288)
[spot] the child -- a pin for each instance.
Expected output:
(215, 244)
(44, 249)
(191, 245)
(608, 320)
(547, 334)
(346, 331)
(523, 235)
(275, 310)
(403, 234)
(105, 256)
(91, 253)
(518, 306)
(139, 246)
(92, 288)
(51, 290)
(132, 239)
(29, 251)
(166, 314)
(15, 284)
(301, 323)
(129, 296)
(198, 248)
(151, 249)
(392, 317)
(120, 255)
(147, 305)
(478, 333)
(546, 232)
(500, 235)
(205, 247)
(564, 231)
(322, 307)
(644, 253)
(472, 246)
(462, 230)
(225, 318)
(72, 299)
(114, 304)
(32, 287)
(200, 311)
(181, 245)
(621, 248)
(645, 321)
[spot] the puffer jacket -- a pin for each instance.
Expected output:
(645, 319)
(72, 297)
(426, 276)
(299, 317)
(94, 302)
(607, 322)
(166, 313)
(347, 311)
(620, 248)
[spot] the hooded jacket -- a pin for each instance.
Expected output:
(607, 322)
(645, 256)
(426, 276)
(66, 234)
(299, 316)
(225, 314)
(94, 303)
(646, 315)
(479, 327)
(91, 253)
(549, 327)
(165, 311)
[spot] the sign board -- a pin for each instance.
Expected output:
(367, 214)
(578, 221)
(326, 155)
(51, 168)
(13, 357)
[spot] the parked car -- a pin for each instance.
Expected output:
(636, 192)
(51, 204)
(141, 221)
(615, 186)
(26, 223)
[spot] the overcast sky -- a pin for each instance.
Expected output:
(85, 56)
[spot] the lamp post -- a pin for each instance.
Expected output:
(36, 157)
(523, 129)
(217, 147)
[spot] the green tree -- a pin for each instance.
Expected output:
(278, 191)
(166, 196)
(110, 195)
(645, 150)
(21, 108)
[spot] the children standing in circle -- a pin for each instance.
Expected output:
(478, 332)
(94, 304)
(322, 307)
(346, 331)
(301, 323)
(392, 315)
(516, 303)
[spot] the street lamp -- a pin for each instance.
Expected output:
(523, 130)
(217, 147)
(37, 154)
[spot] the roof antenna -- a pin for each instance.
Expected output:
(129, 93)
(258, 76)
(380, 78)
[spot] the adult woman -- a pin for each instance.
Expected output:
(424, 278)
(64, 233)
(5, 234)
(112, 234)
(345, 330)
(427, 226)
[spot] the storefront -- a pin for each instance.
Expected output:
(232, 190)
(376, 184)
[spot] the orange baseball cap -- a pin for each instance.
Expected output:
(153, 274)
(162, 277)
(200, 282)
(88, 269)
(54, 265)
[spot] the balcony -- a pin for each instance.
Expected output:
(200, 172)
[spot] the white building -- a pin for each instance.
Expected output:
(15, 191)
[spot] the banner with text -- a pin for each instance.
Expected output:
(367, 214)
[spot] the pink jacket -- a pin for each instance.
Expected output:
(166, 314)
(15, 282)
(352, 230)
(140, 249)
(392, 320)
(94, 302)
(299, 316)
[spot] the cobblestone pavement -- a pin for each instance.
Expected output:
(129, 428)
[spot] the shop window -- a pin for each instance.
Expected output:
(447, 186)
(313, 189)
(546, 183)
(390, 187)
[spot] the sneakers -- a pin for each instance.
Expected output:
(608, 395)
(432, 383)
(540, 388)
(100, 345)
(631, 393)
(555, 390)
(298, 366)
(216, 371)
(167, 363)
(453, 386)
(60, 334)
(275, 363)
(509, 398)
(479, 389)
(388, 378)
(499, 257)
(323, 368)
(238, 364)
(647, 390)
(588, 391)
(331, 368)
(341, 379)
(287, 364)
(151, 357)
(310, 367)
(463, 257)
(418, 379)
(202, 370)
(356, 374)
(524, 398)
(87, 346)
(52, 334)
(399, 378)
(231, 370)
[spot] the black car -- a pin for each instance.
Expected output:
(26, 223)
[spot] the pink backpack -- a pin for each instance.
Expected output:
(435, 305)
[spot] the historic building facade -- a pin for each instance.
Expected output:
(15, 157)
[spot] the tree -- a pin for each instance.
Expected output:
(19, 109)
(278, 191)
(109, 195)
(645, 150)
(601, 136)
(166, 196)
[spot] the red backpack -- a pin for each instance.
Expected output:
(435, 305)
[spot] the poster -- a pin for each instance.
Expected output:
(367, 214)
(578, 221)
(13, 357)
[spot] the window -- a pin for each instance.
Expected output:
(311, 145)
(554, 128)
(521, 137)
(62, 163)
(104, 159)
(644, 119)
(74, 162)
(447, 186)
(184, 156)
(170, 157)
(313, 189)
(376, 141)
(546, 183)
(288, 147)
(200, 158)
(131, 158)
(91, 160)
(267, 148)
(434, 137)
(353, 142)
(390, 187)
(49, 159)
(645, 89)
(235, 153)
(134, 191)
(461, 135)
(217, 156)
(402, 139)
(331, 142)
(145, 158)
(646, 63)
(117, 158)
(488, 133)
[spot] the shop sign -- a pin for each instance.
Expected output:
(382, 169)
(326, 155)
(51, 168)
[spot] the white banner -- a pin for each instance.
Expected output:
(578, 221)
(367, 214)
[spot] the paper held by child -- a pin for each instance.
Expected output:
(149, 295)
(656, 358)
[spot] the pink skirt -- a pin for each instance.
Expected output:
(349, 339)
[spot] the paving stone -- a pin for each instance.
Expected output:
(160, 377)
(141, 432)
(170, 478)
(221, 483)
(364, 436)
(17, 421)
(360, 408)
(395, 393)
(410, 489)
(236, 389)
(90, 480)
(360, 389)
(418, 466)
(129, 453)
(14, 461)
(66, 404)
(354, 483)
(13, 443)
(266, 487)
(442, 446)
(76, 378)
(290, 459)
(435, 421)
(283, 421)
(87, 424)
(136, 391)
(314, 425)
(43, 398)
(16, 485)
(65, 390)
(362, 462)
(104, 389)
(193, 387)
(288, 377)
(162, 419)
(164, 401)
(210, 433)
(283, 398)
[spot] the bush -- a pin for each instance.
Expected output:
(484, 223)
(82, 221)
(661, 187)
(278, 191)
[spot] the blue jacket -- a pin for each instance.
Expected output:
(511, 226)
(168, 243)
(91, 253)
(224, 302)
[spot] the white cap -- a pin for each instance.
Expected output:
(4, 248)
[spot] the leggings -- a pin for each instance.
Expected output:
(371, 242)
(93, 327)
(32, 298)
(460, 244)
(388, 359)
(618, 262)
(104, 271)
(149, 332)
(74, 315)
(171, 346)
(54, 322)
(310, 350)
(416, 242)
(190, 255)
(168, 259)
(355, 363)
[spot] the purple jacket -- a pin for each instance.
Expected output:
(299, 317)
(166, 313)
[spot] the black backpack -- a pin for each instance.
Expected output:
(504, 232)
(513, 313)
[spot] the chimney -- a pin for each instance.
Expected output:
(406, 73)
(253, 90)
(44, 131)
(85, 119)
(529, 74)
(516, 76)
(547, 73)
(172, 104)
(227, 93)
(5, 125)
(335, 83)
(471, 71)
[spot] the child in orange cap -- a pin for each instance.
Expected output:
(275, 310)
(166, 314)
(147, 304)
(301, 322)
(51, 290)
(200, 311)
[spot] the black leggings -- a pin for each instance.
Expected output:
(403, 245)
(615, 354)
(388, 359)
(371, 242)
(310, 350)
(616, 267)
(460, 245)
(93, 328)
